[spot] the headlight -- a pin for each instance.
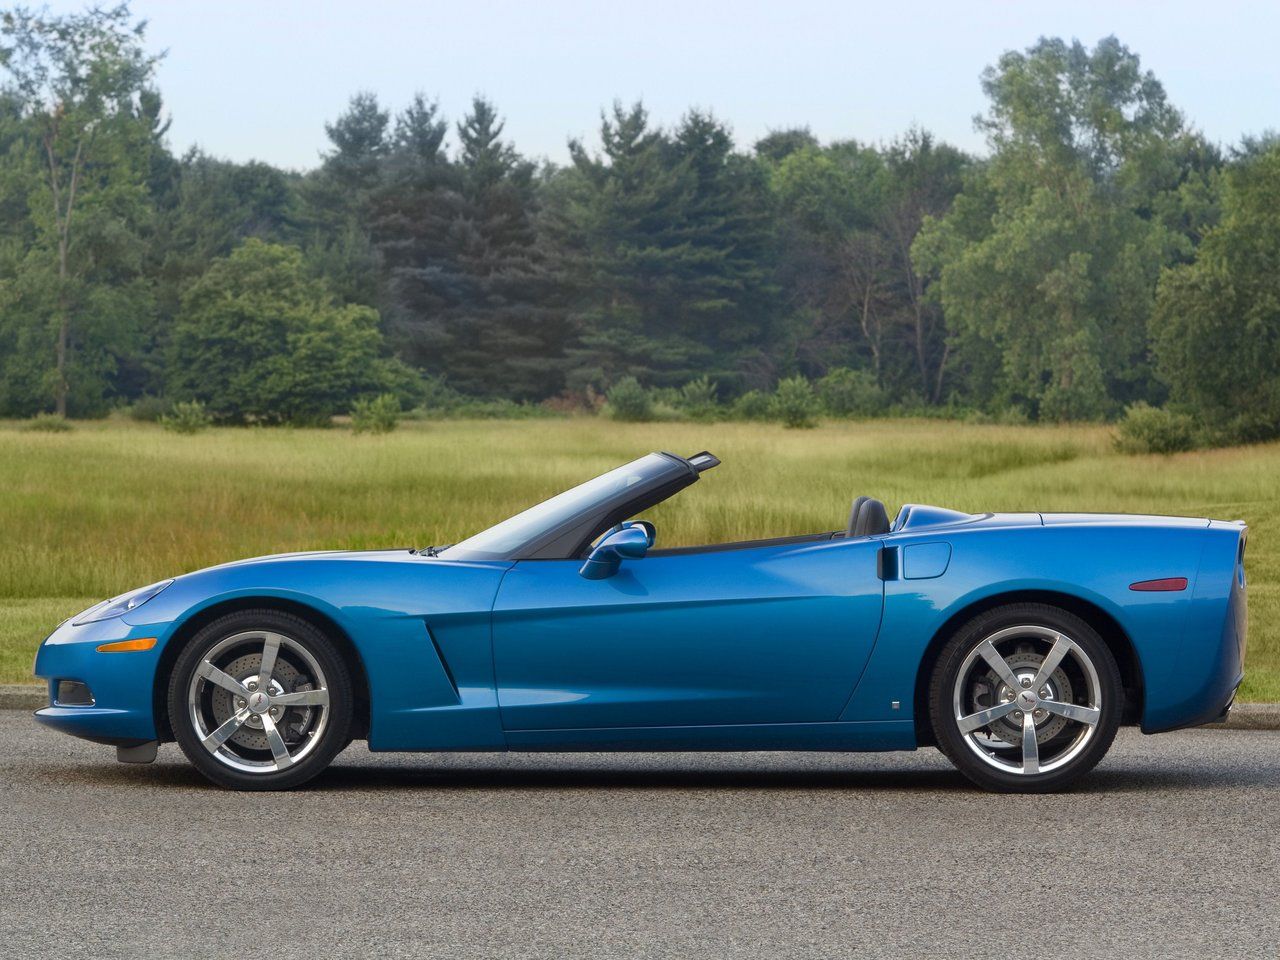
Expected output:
(119, 606)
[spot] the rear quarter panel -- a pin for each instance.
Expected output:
(1180, 639)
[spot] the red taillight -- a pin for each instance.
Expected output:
(1168, 584)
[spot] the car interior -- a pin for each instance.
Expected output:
(867, 518)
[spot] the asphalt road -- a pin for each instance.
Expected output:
(1171, 849)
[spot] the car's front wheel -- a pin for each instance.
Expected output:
(260, 700)
(1025, 698)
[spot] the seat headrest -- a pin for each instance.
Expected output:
(853, 514)
(869, 518)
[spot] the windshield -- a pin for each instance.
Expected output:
(503, 539)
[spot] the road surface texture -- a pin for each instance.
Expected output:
(1171, 849)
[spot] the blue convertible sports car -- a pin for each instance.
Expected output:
(1016, 643)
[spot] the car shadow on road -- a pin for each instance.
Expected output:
(548, 772)
(349, 777)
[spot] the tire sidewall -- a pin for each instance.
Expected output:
(952, 742)
(336, 734)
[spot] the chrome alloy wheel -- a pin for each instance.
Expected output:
(1027, 700)
(258, 701)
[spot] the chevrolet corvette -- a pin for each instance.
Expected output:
(1016, 643)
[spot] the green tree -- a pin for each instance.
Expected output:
(846, 218)
(1216, 327)
(474, 289)
(672, 243)
(1050, 262)
(79, 101)
(338, 198)
(258, 341)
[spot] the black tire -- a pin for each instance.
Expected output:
(334, 735)
(966, 752)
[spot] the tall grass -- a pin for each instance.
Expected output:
(113, 505)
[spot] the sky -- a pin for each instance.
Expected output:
(258, 79)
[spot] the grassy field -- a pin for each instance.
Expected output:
(113, 505)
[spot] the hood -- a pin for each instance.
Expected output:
(402, 553)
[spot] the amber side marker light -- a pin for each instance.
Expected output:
(1169, 584)
(127, 646)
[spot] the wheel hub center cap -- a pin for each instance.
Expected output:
(259, 702)
(1027, 700)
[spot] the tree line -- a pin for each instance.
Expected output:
(1102, 256)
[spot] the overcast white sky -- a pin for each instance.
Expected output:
(258, 78)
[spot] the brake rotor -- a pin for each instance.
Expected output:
(286, 678)
(989, 691)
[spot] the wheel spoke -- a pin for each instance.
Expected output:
(982, 718)
(999, 665)
(1072, 711)
(1030, 748)
(1061, 647)
(214, 741)
(270, 650)
(224, 680)
(278, 749)
(303, 698)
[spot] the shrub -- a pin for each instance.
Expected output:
(1013, 416)
(699, 399)
(259, 340)
(752, 405)
(378, 414)
(851, 393)
(627, 400)
(189, 417)
(1148, 429)
(794, 403)
(499, 409)
(149, 409)
(47, 423)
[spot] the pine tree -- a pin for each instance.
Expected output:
(339, 196)
(473, 286)
(671, 237)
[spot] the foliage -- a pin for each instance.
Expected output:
(699, 399)
(257, 341)
(149, 409)
(903, 278)
(187, 417)
(473, 288)
(380, 414)
(1148, 429)
(847, 216)
(669, 239)
(795, 403)
(628, 400)
(1047, 263)
(47, 423)
(1216, 325)
(850, 393)
(752, 405)
(79, 124)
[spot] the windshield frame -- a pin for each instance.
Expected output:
(569, 536)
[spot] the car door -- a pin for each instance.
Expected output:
(767, 634)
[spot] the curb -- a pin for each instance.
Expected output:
(23, 696)
(1251, 716)
(1244, 716)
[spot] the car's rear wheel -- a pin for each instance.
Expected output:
(260, 700)
(1025, 698)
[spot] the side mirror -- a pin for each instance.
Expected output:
(630, 543)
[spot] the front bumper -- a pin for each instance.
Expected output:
(122, 712)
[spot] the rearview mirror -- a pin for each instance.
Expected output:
(630, 543)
